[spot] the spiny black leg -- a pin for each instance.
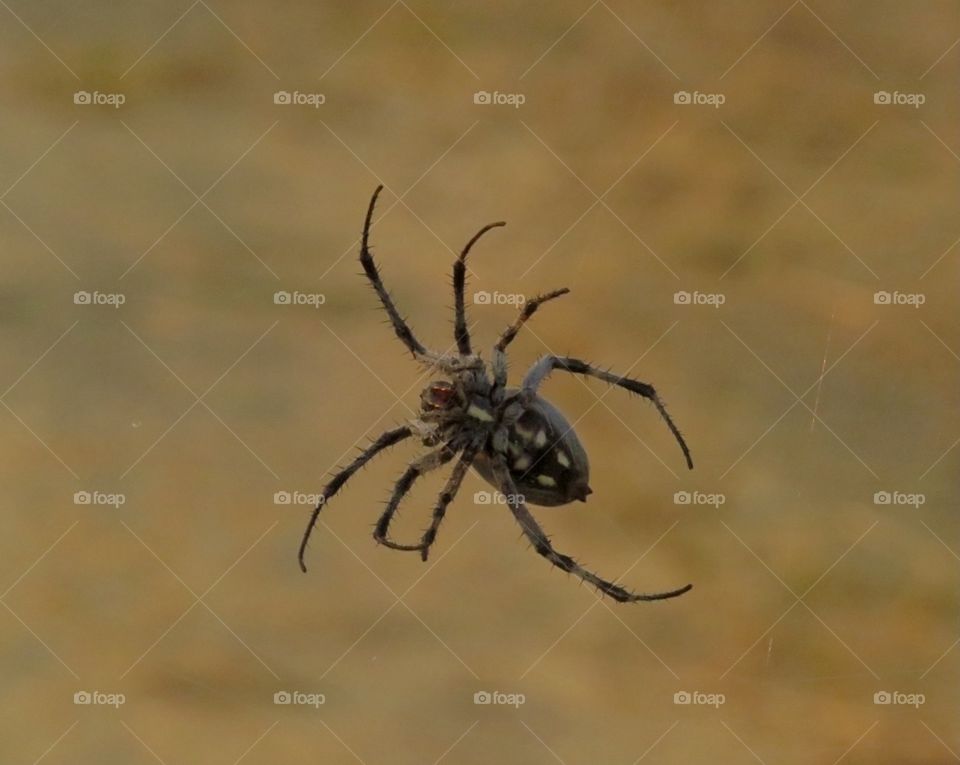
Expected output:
(389, 438)
(541, 544)
(370, 268)
(539, 371)
(529, 309)
(425, 464)
(460, 332)
(446, 497)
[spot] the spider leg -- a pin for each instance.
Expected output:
(386, 439)
(499, 356)
(430, 461)
(460, 332)
(541, 544)
(539, 371)
(370, 269)
(446, 497)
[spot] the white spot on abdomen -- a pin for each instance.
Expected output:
(525, 434)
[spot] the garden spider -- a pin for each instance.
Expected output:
(517, 441)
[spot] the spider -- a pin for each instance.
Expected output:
(516, 440)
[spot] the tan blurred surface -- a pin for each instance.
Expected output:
(796, 200)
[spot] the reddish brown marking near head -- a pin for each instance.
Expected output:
(438, 395)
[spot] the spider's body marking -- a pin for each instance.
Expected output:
(523, 433)
(480, 411)
(518, 441)
(437, 395)
(537, 433)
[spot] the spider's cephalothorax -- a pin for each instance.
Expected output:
(515, 439)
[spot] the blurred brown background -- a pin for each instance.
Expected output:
(796, 200)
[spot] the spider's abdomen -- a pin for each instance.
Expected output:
(546, 460)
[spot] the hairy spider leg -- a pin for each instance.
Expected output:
(539, 371)
(499, 350)
(389, 438)
(541, 544)
(430, 461)
(373, 274)
(460, 332)
(402, 330)
(446, 497)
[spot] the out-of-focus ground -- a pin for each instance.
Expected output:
(796, 201)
